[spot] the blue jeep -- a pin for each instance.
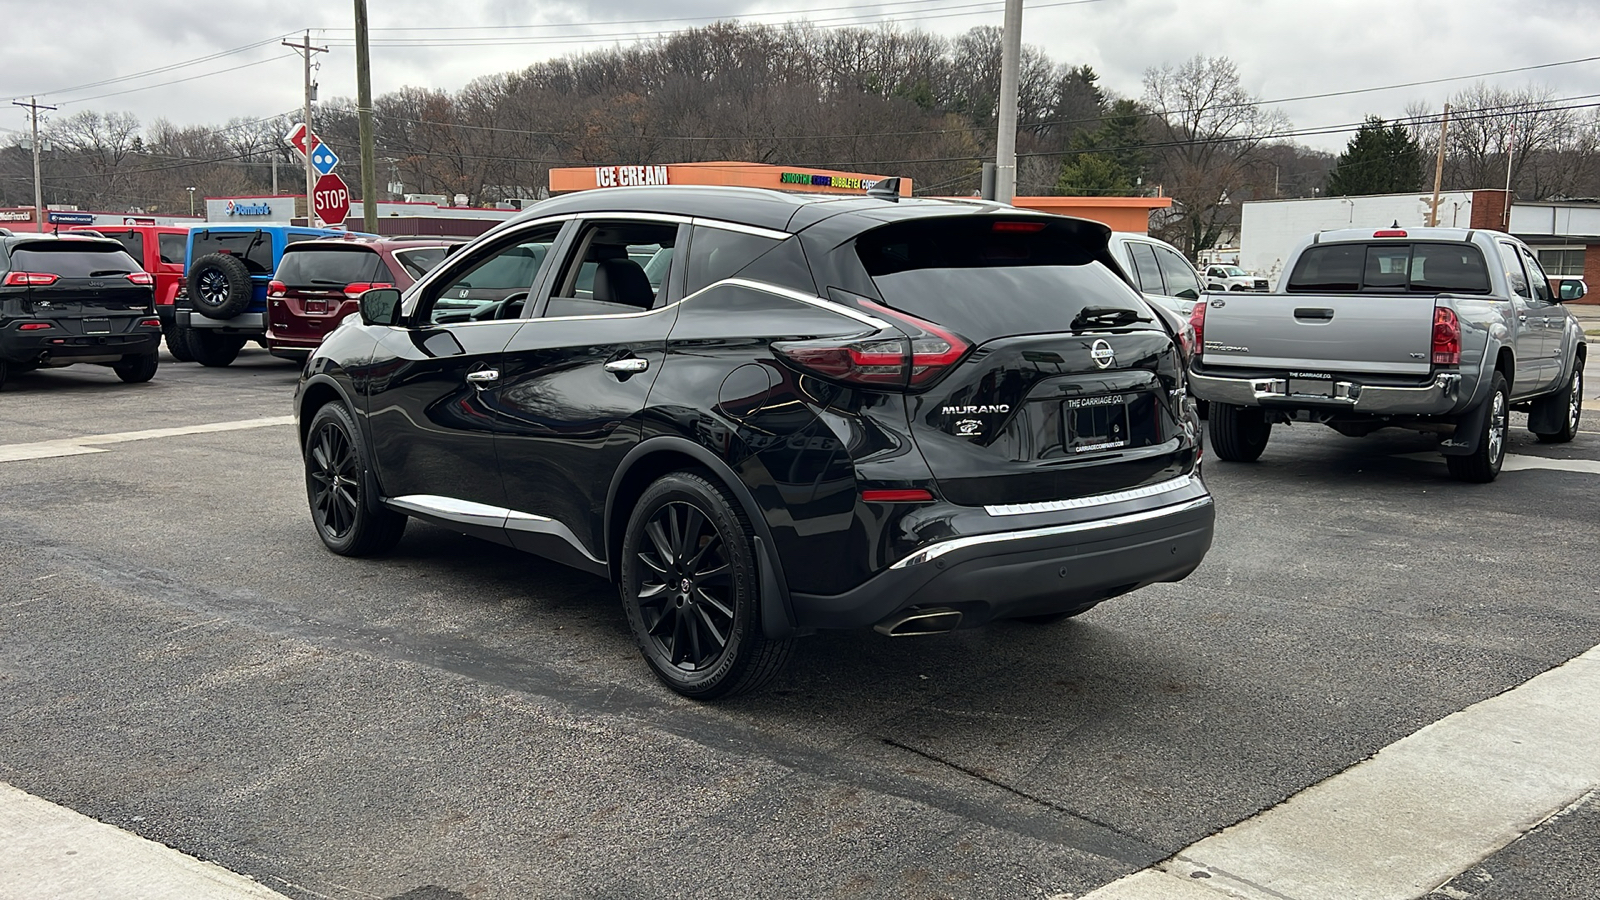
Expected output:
(224, 303)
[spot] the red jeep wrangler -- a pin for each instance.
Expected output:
(159, 250)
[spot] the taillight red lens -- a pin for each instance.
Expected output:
(151, 322)
(1197, 324)
(914, 355)
(141, 278)
(30, 279)
(897, 496)
(276, 289)
(1015, 227)
(1446, 337)
(34, 326)
(356, 289)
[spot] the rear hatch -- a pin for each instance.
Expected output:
(315, 279)
(1348, 307)
(81, 286)
(1071, 387)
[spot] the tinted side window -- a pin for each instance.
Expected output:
(784, 265)
(1540, 284)
(715, 254)
(171, 247)
(420, 261)
(499, 277)
(615, 267)
(131, 241)
(1513, 268)
(1146, 269)
(1179, 275)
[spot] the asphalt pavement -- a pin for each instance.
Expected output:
(181, 659)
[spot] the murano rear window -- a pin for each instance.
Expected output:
(1390, 267)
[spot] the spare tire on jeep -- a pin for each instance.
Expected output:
(219, 286)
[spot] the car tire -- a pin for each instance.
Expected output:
(1238, 433)
(137, 369)
(691, 589)
(337, 481)
(1570, 400)
(178, 344)
(211, 348)
(1483, 464)
(219, 286)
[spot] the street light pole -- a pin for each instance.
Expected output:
(191, 202)
(1005, 163)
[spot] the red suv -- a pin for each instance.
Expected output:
(318, 282)
(159, 250)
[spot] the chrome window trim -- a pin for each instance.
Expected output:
(764, 287)
(934, 551)
(1149, 490)
(756, 230)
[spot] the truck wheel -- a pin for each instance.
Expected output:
(212, 349)
(691, 589)
(336, 488)
(1483, 464)
(178, 344)
(1238, 433)
(137, 369)
(219, 286)
(1570, 400)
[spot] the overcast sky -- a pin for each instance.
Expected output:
(74, 52)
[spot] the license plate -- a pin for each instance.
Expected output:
(1311, 387)
(96, 326)
(316, 306)
(1096, 423)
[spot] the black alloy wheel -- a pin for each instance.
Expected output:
(336, 488)
(219, 286)
(690, 588)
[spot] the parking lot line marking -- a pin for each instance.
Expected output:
(1419, 812)
(52, 851)
(78, 446)
(1519, 462)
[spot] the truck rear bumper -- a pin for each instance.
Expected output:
(1439, 397)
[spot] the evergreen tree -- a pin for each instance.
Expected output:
(1109, 161)
(1380, 159)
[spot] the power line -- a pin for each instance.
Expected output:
(156, 71)
(259, 62)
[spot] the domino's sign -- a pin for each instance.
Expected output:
(235, 208)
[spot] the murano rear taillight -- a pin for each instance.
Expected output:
(912, 355)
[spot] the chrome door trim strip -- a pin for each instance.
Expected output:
(1149, 490)
(934, 551)
(756, 230)
(809, 299)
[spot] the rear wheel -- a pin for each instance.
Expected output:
(1238, 433)
(137, 369)
(1570, 401)
(1483, 464)
(211, 348)
(336, 488)
(178, 343)
(691, 589)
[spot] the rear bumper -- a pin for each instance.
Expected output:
(1029, 571)
(250, 323)
(1441, 396)
(29, 346)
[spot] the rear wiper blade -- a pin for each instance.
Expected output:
(1106, 317)
(328, 282)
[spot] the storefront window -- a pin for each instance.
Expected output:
(1562, 262)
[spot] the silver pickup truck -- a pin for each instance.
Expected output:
(1439, 330)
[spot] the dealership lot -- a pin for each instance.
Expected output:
(180, 658)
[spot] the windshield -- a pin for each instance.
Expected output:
(1234, 272)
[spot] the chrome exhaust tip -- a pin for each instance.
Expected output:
(914, 622)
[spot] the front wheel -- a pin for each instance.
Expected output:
(691, 590)
(1483, 463)
(1570, 399)
(137, 369)
(336, 487)
(1238, 433)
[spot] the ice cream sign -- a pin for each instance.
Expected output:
(629, 176)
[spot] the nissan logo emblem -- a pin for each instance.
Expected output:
(1102, 354)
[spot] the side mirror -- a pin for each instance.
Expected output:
(1571, 290)
(380, 306)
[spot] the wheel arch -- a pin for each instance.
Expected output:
(319, 390)
(657, 456)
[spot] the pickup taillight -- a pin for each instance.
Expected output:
(1446, 337)
(1197, 323)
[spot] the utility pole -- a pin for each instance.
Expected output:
(33, 105)
(306, 50)
(1438, 169)
(369, 175)
(1511, 149)
(1005, 145)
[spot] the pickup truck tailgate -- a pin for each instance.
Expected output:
(1372, 333)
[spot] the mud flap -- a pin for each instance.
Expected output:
(776, 622)
(1469, 431)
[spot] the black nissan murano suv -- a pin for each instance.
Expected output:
(764, 414)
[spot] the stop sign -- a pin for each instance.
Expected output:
(332, 199)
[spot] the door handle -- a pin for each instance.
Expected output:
(630, 366)
(1306, 312)
(483, 376)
